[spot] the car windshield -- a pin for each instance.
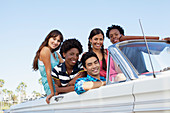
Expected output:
(137, 55)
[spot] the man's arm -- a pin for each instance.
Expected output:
(65, 89)
(60, 89)
(82, 85)
(92, 85)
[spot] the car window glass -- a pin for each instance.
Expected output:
(115, 73)
(137, 55)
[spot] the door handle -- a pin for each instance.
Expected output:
(58, 98)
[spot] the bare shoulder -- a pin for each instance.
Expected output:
(44, 52)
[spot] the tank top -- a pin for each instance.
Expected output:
(41, 68)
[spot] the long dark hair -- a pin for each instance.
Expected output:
(53, 33)
(94, 32)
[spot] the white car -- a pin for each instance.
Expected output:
(141, 85)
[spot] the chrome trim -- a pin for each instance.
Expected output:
(122, 62)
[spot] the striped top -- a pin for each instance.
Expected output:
(59, 72)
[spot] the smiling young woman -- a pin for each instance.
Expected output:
(47, 58)
(95, 44)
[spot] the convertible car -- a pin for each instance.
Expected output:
(142, 83)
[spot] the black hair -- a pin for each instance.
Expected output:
(120, 29)
(69, 44)
(94, 32)
(87, 55)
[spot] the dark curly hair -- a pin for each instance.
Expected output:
(120, 29)
(69, 44)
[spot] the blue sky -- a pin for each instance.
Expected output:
(25, 24)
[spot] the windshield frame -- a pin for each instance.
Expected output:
(125, 65)
(129, 42)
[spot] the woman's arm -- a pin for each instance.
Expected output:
(112, 71)
(45, 55)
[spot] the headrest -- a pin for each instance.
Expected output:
(123, 38)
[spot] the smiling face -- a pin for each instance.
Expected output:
(97, 41)
(54, 42)
(71, 57)
(92, 66)
(114, 35)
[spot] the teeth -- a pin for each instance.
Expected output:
(74, 61)
(54, 45)
(95, 70)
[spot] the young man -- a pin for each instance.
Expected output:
(67, 72)
(93, 80)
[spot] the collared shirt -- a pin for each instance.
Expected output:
(59, 72)
(78, 87)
